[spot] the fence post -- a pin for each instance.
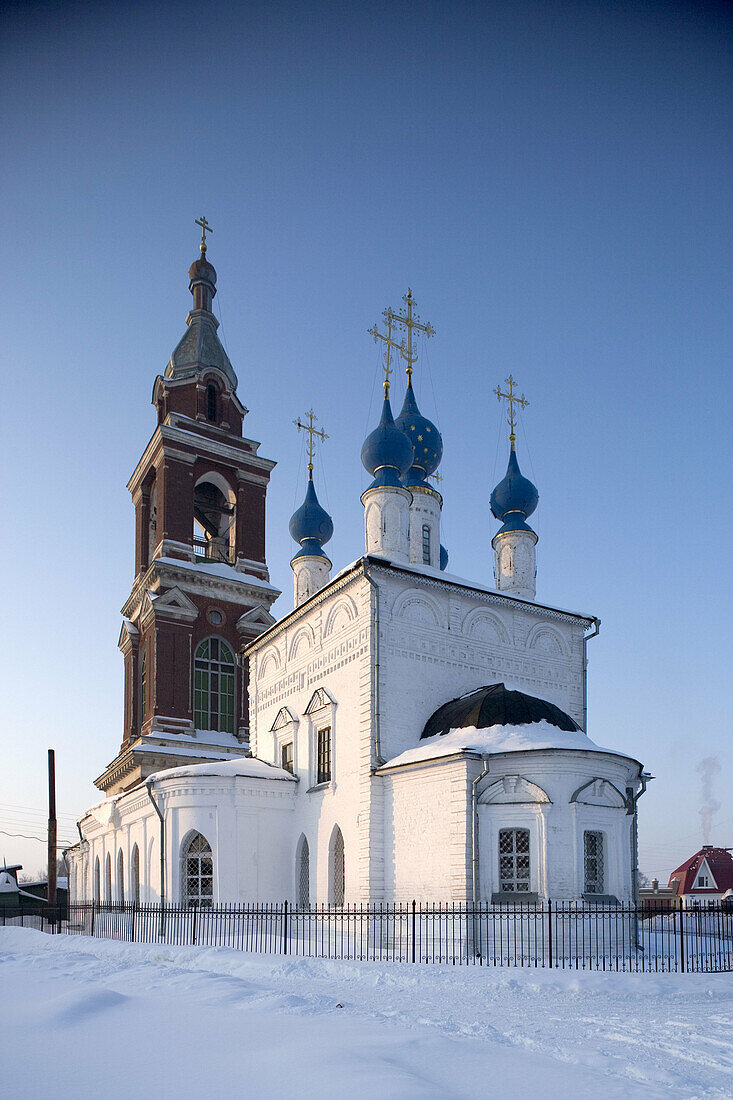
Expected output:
(682, 938)
(414, 906)
(132, 928)
(285, 927)
(549, 932)
(94, 906)
(195, 911)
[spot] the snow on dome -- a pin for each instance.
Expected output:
(497, 739)
(245, 767)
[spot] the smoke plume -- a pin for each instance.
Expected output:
(708, 768)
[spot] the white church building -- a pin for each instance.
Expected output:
(401, 734)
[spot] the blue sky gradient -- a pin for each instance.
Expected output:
(551, 179)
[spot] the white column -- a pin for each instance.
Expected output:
(310, 573)
(425, 512)
(387, 522)
(515, 563)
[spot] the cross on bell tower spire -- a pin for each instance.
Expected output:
(205, 228)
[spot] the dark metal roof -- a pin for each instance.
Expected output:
(496, 705)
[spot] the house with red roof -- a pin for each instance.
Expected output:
(705, 878)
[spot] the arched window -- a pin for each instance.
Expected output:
(336, 868)
(303, 874)
(108, 878)
(143, 688)
(197, 871)
(120, 878)
(97, 888)
(214, 674)
(211, 402)
(426, 544)
(135, 875)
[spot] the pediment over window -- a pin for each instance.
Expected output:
(319, 699)
(512, 789)
(284, 717)
(255, 620)
(599, 792)
(129, 635)
(173, 604)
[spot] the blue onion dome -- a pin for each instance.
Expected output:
(443, 558)
(425, 438)
(387, 454)
(311, 525)
(514, 498)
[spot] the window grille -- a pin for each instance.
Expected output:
(198, 871)
(97, 883)
(213, 686)
(108, 879)
(286, 756)
(120, 878)
(426, 544)
(323, 773)
(338, 868)
(593, 862)
(211, 396)
(304, 875)
(135, 875)
(514, 860)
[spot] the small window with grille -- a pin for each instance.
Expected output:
(593, 862)
(211, 396)
(286, 756)
(198, 871)
(514, 860)
(323, 769)
(426, 544)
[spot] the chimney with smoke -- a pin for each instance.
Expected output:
(708, 768)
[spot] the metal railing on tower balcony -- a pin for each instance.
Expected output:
(212, 550)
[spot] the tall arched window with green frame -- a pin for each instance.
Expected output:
(214, 677)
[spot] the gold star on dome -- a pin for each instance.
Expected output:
(419, 439)
(412, 427)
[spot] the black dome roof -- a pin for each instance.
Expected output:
(495, 705)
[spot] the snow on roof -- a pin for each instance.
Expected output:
(496, 739)
(720, 864)
(169, 748)
(436, 574)
(219, 569)
(245, 767)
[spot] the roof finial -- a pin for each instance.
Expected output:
(389, 344)
(511, 398)
(205, 228)
(311, 448)
(409, 321)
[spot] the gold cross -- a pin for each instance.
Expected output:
(310, 449)
(437, 478)
(389, 344)
(205, 228)
(407, 320)
(511, 398)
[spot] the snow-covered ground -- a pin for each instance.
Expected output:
(89, 1018)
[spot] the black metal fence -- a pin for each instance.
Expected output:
(557, 934)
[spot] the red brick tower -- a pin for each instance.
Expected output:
(201, 590)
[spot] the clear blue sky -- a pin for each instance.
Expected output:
(551, 179)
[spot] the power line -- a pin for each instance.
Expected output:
(40, 839)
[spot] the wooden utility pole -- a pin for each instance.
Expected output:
(51, 828)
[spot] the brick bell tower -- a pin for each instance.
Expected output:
(201, 591)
